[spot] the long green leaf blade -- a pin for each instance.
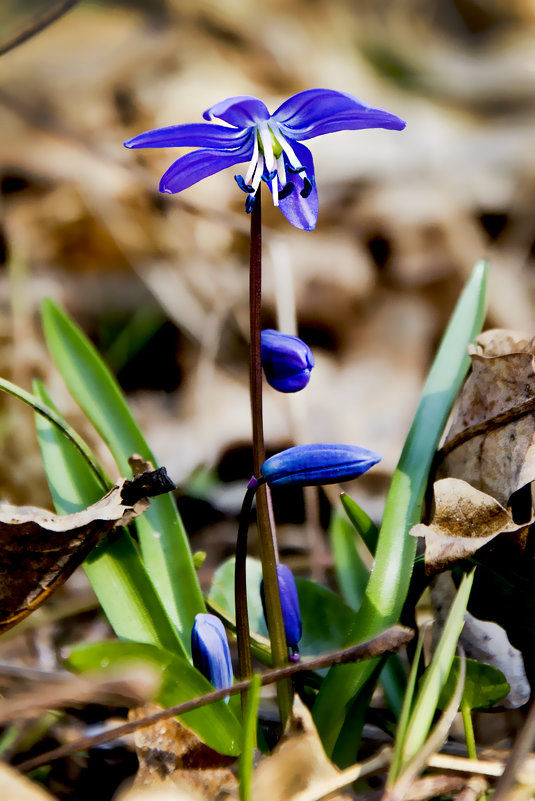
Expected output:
(353, 575)
(164, 545)
(114, 568)
(390, 578)
(436, 675)
(54, 417)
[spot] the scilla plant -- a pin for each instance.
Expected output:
(148, 588)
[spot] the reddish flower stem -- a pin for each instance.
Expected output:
(268, 544)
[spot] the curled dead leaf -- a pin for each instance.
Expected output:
(464, 520)
(491, 442)
(39, 550)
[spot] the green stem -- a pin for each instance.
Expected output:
(469, 731)
(268, 545)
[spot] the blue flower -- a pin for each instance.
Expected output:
(270, 143)
(287, 361)
(210, 651)
(320, 463)
(291, 614)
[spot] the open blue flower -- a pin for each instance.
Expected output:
(270, 143)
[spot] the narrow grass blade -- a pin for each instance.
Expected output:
(215, 723)
(389, 582)
(57, 420)
(114, 567)
(405, 714)
(362, 522)
(245, 766)
(399, 789)
(436, 675)
(164, 545)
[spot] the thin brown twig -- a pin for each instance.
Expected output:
(45, 19)
(388, 641)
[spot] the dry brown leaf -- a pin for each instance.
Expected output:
(170, 753)
(40, 550)
(464, 520)
(297, 763)
(491, 441)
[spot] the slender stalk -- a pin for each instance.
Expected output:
(268, 545)
(469, 731)
(245, 662)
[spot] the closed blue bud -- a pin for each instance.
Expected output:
(287, 361)
(291, 614)
(319, 463)
(210, 651)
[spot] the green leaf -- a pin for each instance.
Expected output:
(52, 416)
(353, 575)
(351, 571)
(390, 579)
(222, 592)
(114, 567)
(164, 545)
(404, 717)
(215, 724)
(326, 618)
(484, 685)
(363, 523)
(436, 675)
(245, 766)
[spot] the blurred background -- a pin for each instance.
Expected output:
(159, 282)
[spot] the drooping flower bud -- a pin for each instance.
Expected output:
(319, 463)
(210, 650)
(287, 361)
(291, 614)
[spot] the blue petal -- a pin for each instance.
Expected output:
(195, 134)
(307, 465)
(210, 650)
(302, 212)
(195, 166)
(291, 614)
(287, 361)
(321, 111)
(242, 111)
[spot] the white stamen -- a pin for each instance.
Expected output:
(283, 142)
(252, 163)
(275, 191)
(257, 175)
(281, 170)
(267, 144)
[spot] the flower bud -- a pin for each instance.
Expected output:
(319, 463)
(287, 361)
(291, 614)
(210, 651)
